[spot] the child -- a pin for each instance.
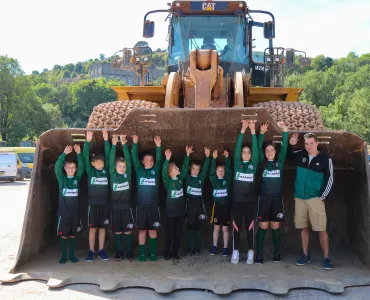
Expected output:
(68, 215)
(175, 202)
(147, 181)
(270, 202)
(98, 194)
(221, 179)
(120, 183)
(245, 166)
(196, 214)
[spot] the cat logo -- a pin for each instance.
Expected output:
(208, 6)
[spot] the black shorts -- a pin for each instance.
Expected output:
(270, 210)
(246, 211)
(99, 216)
(122, 220)
(196, 212)
(68, 226)
(220, 214)
(148, 218)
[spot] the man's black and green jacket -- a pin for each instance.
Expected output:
(315, 178)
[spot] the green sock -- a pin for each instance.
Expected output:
(63, 246)
(128, 238)
(276, 240)
(153, 248)
(118, 239)
(190, 238)
(72, 247)
(197, 239)
(261, 233)
(142, 255)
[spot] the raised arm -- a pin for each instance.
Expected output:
(261, 137)
(80, 163)
(86, 154)
(254, 149)
(294, 154)
(135, 152)
(239, 144)
(158, 154)
(185, 164)
(127, 155)
(204, 171)
(212, 172)
(112, 156)
(106, 148)
(228, 171)
(165, 176)
(58, 168)
(284, 145)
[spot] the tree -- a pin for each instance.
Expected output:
(54, 114)
(74, 75)
(78, 68)
(35, 72)
(44, 91)
(45, 70)
(10, 90)
(66, 74)
(101, 56)
(322, 63)
(69, 67)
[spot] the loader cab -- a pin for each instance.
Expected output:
(225, 34)
(228, 27)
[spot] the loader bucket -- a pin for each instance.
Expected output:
(348, 213)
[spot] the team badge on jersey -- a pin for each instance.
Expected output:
(250, 167)
(304, 159)
(156, 224)
(153, 172)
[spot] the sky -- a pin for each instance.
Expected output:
(43, 33)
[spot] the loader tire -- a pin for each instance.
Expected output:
(111, 114)
(296, 115)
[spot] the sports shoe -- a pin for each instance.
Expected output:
(130, 256)
(305, 259)
(327, 264)
(213, 250)
(196, 252)
(102, 255)
(142, 257)
(119, 256)
(153, 257)
(235, 257)
(90, 256)
(259, 259)
(276, 258)
(250, 259)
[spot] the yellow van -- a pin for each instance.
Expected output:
(25, 157)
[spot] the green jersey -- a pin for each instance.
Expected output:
(98, 180)
(147, 180)
(221, 187)
(175, 200)
(69, 187)
(120, 193)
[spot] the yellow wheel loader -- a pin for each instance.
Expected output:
(222, 68)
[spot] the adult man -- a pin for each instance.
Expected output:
(313, 184)
(230, 52)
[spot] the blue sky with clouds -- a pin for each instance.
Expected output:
(42, 33)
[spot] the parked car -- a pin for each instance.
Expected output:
(8, 166)
(25, 157)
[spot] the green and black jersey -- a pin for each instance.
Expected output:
(221, 187)
(68, 187)
(245, 171)
(120, 193)
(272, 173)
(147, 180)
(175, 199)
(98, 180)
(194, 184)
